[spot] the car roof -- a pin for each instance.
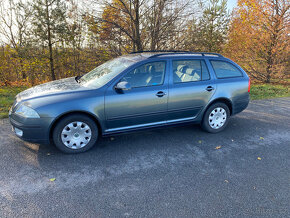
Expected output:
(138, 56)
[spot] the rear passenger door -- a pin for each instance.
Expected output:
(190, 89)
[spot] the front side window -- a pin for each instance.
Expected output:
(189, 71)
(150, 74)
(225, 70)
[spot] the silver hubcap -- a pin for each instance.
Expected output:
(217, 118)
(76, 135)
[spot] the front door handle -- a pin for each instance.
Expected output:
(209, 88)
(160, 94)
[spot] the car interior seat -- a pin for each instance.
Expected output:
(178, 74)
(190, 75)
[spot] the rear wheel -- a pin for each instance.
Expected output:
(216, 118)
(75, 133)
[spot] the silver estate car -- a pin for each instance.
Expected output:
(132, 92)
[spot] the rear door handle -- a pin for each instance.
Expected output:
(160, 94)
(209, 88)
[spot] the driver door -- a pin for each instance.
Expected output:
(145, 104)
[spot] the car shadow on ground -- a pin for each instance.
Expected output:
(121, 148)
(227, 153)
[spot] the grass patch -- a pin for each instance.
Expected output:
(259, 91)
(265, 91)
(7, 97)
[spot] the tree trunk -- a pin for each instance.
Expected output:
(21, 64)
(49, 43)
(268, 76)
(269, 64)
(137, 27)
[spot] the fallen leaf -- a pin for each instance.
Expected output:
(261, 138)
(52, 179)
(218, 147)
(199, 141)
(259, 158)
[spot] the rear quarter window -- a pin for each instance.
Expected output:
(225, 70)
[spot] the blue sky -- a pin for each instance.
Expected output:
(232, 4)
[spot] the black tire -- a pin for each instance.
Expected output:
(205, 122)
(57, 133)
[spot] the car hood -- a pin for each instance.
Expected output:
(55, 87)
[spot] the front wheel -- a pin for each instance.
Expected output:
(216, 118)
(75, 133)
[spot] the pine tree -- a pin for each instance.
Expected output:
(209, 33)
(49, 25)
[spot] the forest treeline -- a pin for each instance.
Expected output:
(43, 40)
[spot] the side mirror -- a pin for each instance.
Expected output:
(123, 86)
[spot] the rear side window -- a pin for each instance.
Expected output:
(189, 71)
(225, 70)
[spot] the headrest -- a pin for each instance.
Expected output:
(196, 77)
(189, 71)
(137, 70)
(181, 68)
(151, 69)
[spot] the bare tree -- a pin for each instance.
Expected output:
(14, 27)
(14, 22)
(153, 24)
(125, 17)
(165, 21)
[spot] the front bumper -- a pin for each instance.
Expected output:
(32, 129)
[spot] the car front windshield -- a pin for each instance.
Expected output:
(104, 73)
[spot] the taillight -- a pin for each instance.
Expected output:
(249, 86)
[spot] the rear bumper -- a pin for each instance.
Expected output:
(33, 130)
(240, 105)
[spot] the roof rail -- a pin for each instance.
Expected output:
(168, 52)
(152, 51)
(188, 52)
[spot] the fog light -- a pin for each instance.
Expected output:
(18, 132)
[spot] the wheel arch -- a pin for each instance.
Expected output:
(93, 117)
(226, 101)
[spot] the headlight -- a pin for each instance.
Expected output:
(25, 111)
(10, 111)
